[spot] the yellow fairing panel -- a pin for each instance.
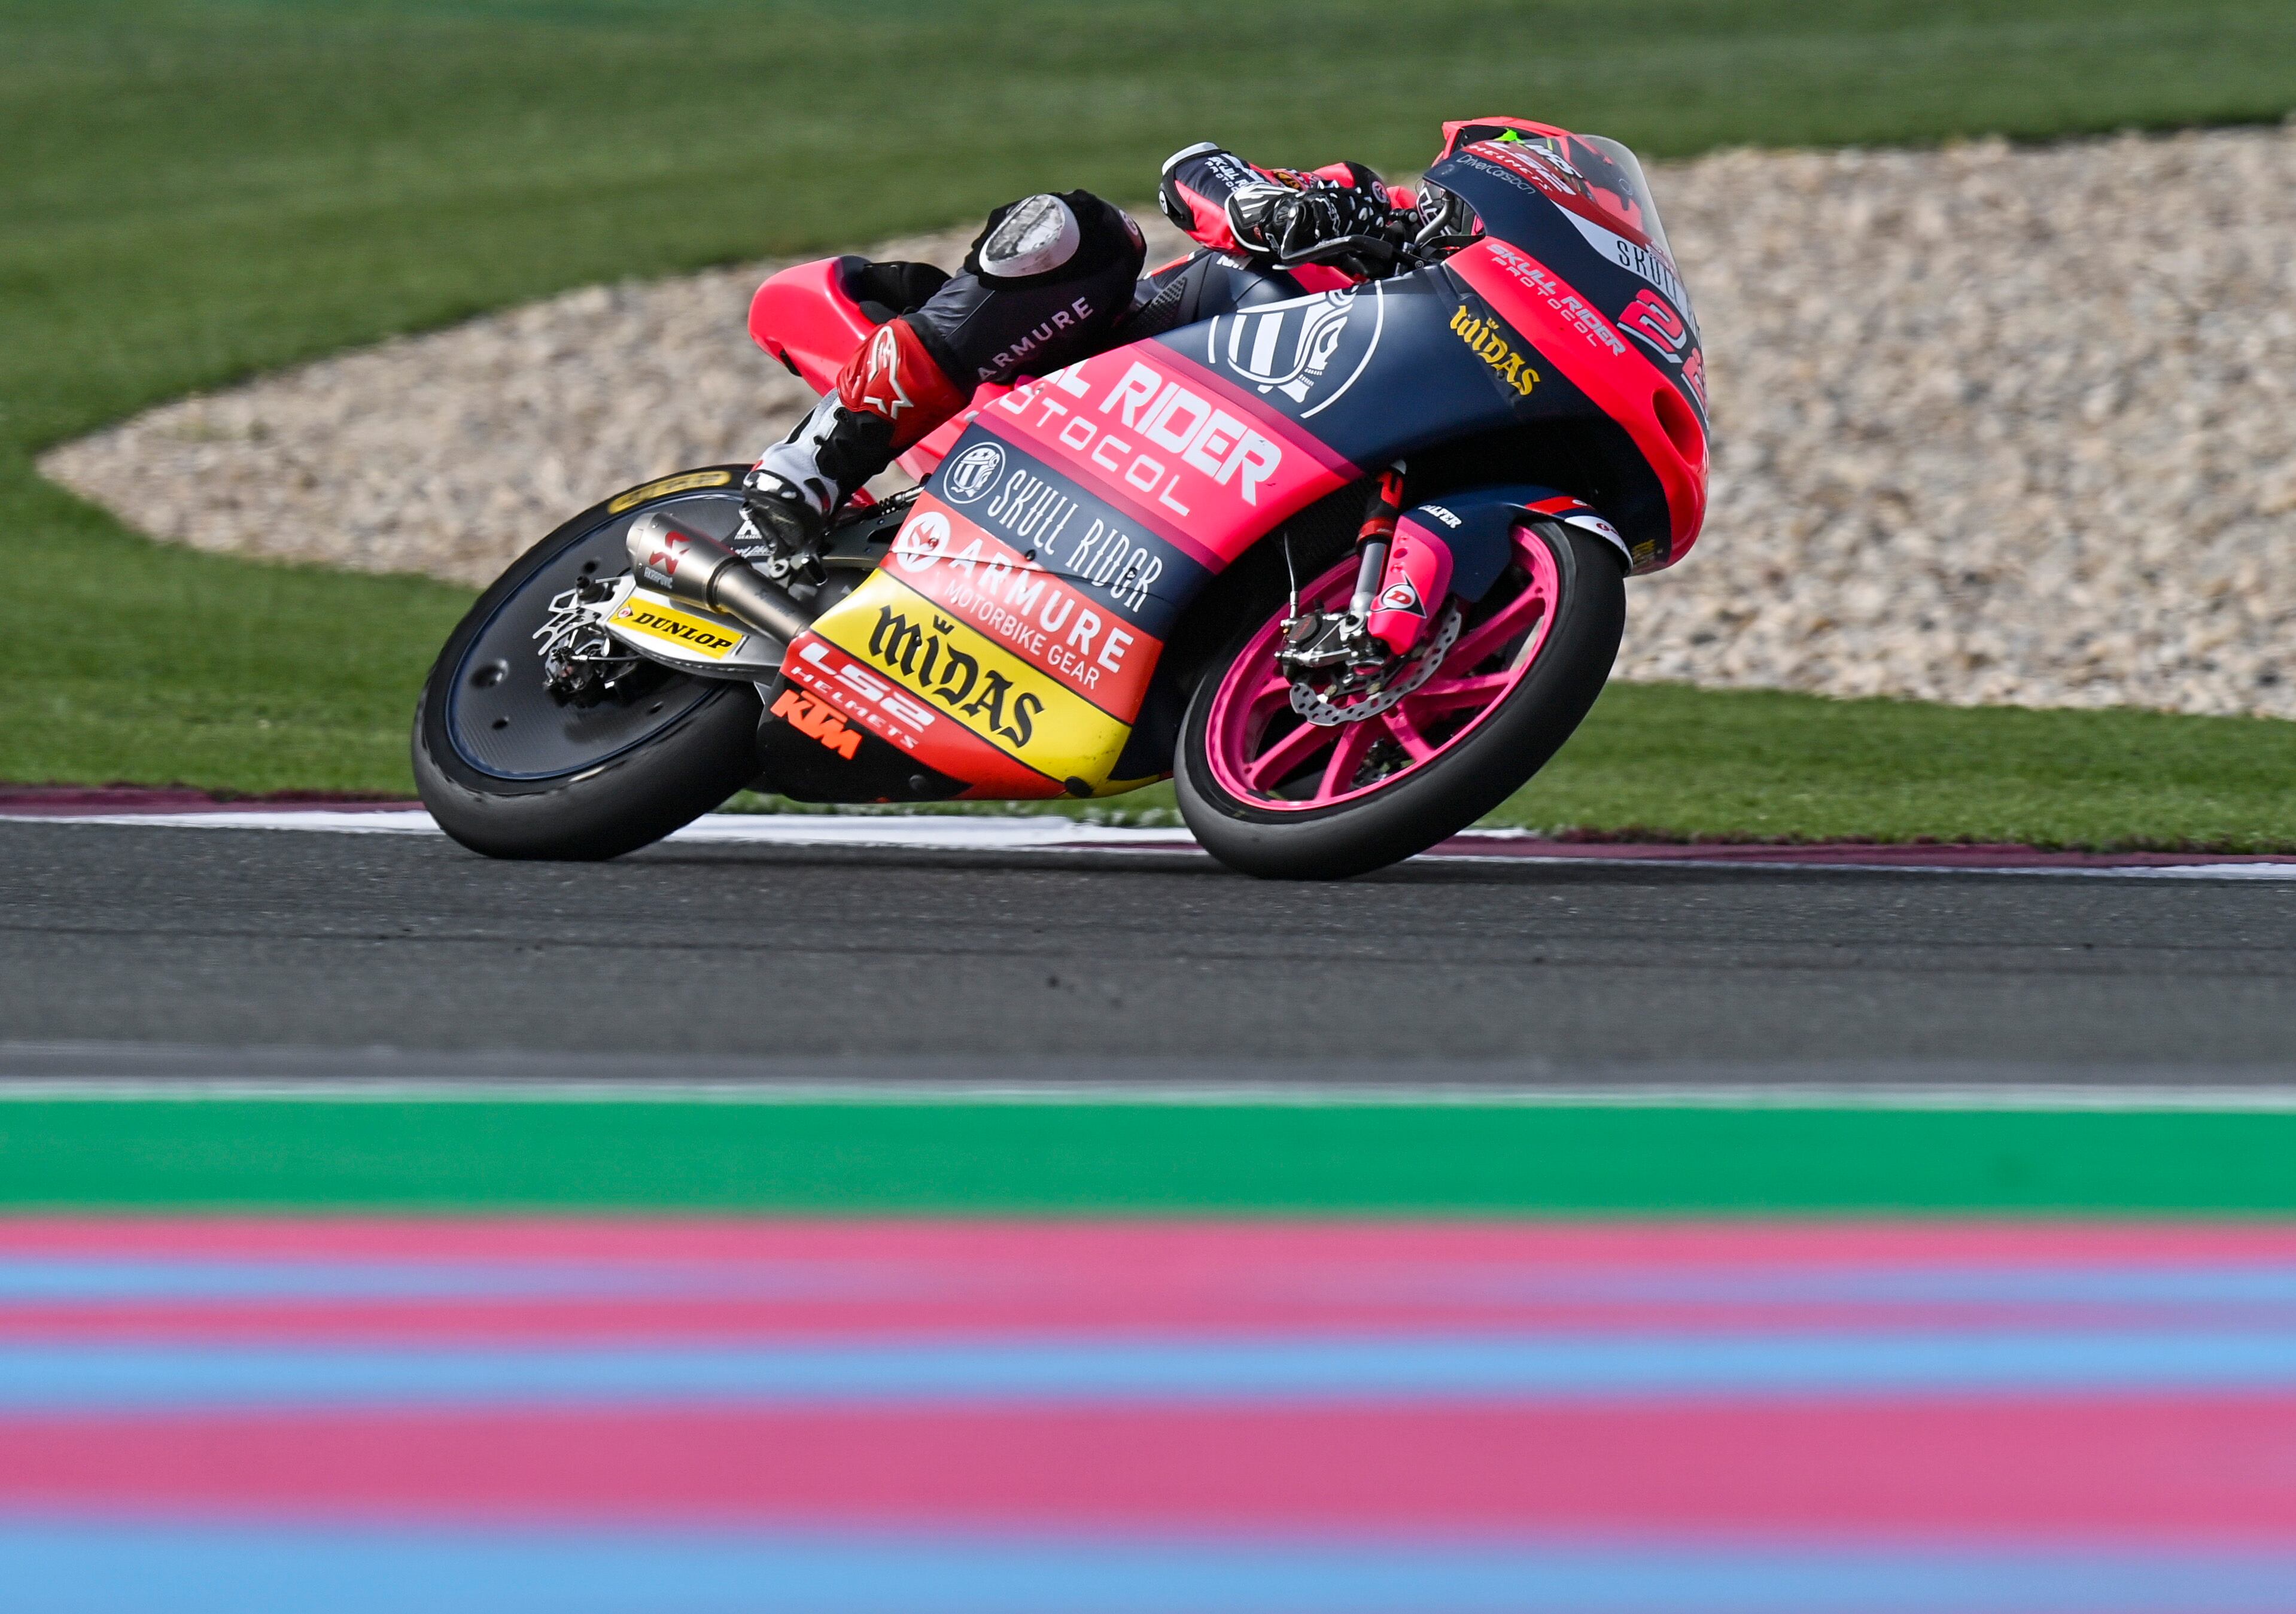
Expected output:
(1015, 707)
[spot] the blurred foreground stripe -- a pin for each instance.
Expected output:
(664, 1414)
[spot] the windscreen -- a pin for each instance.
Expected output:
(1612, 179)
(1597, 181)
(1615, 183)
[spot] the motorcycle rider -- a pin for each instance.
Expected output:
(1046, 283)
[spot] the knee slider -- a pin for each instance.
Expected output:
(1047, 238)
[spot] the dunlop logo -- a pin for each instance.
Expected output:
(711, 642)
(1485, 341)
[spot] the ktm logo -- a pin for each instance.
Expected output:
(1485, 340)
(814, 720)
(933, 667)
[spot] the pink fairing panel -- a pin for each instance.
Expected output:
(1177, 448)
(804, 317)
(1617, 376)
(925, 455)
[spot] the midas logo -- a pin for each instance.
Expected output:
(933, 667)
(1484, 340)
(661, 623)
(968, 679)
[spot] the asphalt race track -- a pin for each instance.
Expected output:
(705, 961)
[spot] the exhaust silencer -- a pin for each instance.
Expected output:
(687, 566)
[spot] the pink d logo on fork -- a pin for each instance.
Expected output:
(1418, 577)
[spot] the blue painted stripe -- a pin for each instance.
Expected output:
(80, 1568)
(2271, 1287)
(34, 1280)
(89, 1375)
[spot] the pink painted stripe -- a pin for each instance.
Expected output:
(1275, 422)
(2183, 1468)
(1123, 1256)
(763, 1280)
(1204, 1319)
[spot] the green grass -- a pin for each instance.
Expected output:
(1175, 1160)
(196, 192)
(1666, 762)
(1755, 764)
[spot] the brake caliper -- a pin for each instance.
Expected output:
(581, 664)
(1340, 674)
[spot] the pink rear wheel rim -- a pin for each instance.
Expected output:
(1266, 756)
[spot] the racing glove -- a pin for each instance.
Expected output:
(1324, 221)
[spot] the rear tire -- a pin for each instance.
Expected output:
(508, 773)
(1467, 778)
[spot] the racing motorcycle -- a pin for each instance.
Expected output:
(1346, 563)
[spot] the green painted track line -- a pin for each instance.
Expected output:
(1154, 1160)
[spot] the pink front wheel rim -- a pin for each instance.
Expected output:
(1265, 755)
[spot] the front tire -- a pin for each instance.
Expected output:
(510, 772)
(1270, 795)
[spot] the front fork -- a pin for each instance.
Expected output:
(1401, 581)
(1374, 540)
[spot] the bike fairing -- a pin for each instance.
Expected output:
(1186, 453)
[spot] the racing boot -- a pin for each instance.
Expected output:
(888, 395)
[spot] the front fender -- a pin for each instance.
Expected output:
(1477, 525)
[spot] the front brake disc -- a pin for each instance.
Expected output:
(1416, 668)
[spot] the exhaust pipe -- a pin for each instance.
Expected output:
(687, 566)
